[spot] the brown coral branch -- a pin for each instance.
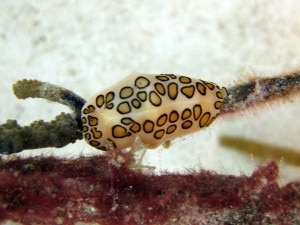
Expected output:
(261, 90)
(57, 133)
(37, 89)
(64, 129)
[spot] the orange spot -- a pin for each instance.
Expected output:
(197, 111)
(159, 134)
(160, 88)
(142, 95)
(219, 94)
(141, 82)
(126, 92)
(126, 121)
(162, 120)
(173, 116)
(154, 99)
(119, 131)
(85, 128)
(218, 104)
(136, 103)
(186, 114)
(94, 143)
(89, 109)
(187, 124)
(148, 126)
(135, 127)
(93, 121)
(162, 78)
(185, 80)
(100, 101)
(171, 129)
(188, 91)
(124, 108)
(87, 136)
(173, 90)
(201, 88)
(204, 119)
(96, 134)
(211, 86)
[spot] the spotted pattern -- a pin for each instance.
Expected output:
(204, 119)
(96, 133)
(171, 129)
(110, 106)
(186, 114)
(173, 90)
(162, 78)
(93, 121)
(172, 76)
(89, 109)
(162, 120)
(141, 82)
(134, 126)
(87, 136)
(148, 126)
(108, 100)
(160, 88)
(85, 128)
(197, 110)
(124, 108)
(201, 88)
(126, 92)
(174, 116)
(219, 94)
(100, 101)
(211, 86)
(109, 97)
(188, 91)
(185, 80)
(94, 143)
(119, 131)
(159, 134)
(136, 103)
(142, 95)
(187, 124)
(155, 108)
(218, 104)
(155, 99)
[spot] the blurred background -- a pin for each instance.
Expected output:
(86, 46)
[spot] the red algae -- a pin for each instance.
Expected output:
(47, 190)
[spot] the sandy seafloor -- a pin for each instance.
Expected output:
(87, 46)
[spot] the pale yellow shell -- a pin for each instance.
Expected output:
(154, 108)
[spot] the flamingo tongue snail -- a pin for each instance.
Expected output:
(153, 108)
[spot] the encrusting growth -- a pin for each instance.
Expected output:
(90, 190)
